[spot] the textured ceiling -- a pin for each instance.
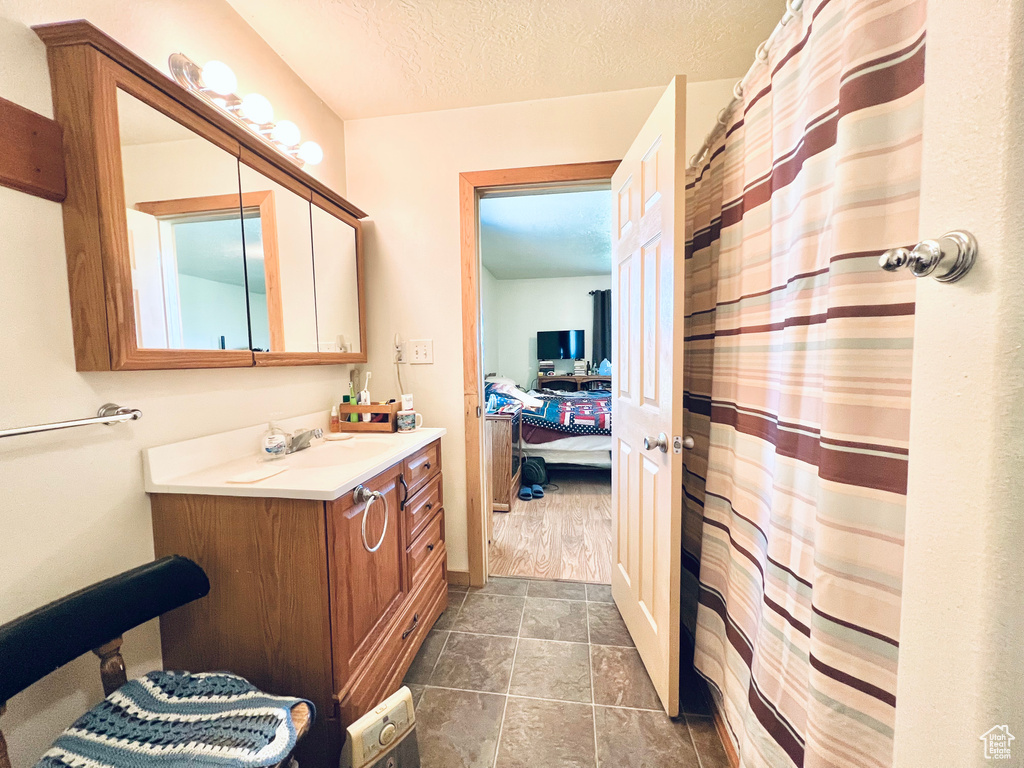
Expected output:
(566, 234)
(367, 58)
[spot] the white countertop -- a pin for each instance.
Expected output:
(323, 472)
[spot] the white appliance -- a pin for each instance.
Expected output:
(385, 737)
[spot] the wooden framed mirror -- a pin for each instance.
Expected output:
(191, 242)
(341, 303)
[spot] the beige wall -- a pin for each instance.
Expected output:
(73, 509)
(520, 308)
(489, 309)
(962, 630)
(404, 171)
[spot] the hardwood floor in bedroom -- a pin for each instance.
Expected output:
(566, 535)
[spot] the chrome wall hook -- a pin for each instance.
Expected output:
(947, 259)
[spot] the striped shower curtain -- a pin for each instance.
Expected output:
(798, 356)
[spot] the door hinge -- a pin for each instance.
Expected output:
(479, 411)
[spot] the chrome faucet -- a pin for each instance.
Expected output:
(302, 439)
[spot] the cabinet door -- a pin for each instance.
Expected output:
(367, 588)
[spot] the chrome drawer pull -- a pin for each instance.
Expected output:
(412, 627)
(362, 494)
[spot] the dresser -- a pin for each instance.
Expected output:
(574, 383)
(503, 456)
(327, 600)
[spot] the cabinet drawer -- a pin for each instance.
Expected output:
(422, 506)
(426, 546)
(395, 653)
(422, 465)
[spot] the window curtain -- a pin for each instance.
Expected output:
(798, 362)
(602, 344)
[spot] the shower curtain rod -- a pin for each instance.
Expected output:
(793, 8)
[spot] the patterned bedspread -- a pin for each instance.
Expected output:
(572, 413)
(575, 413)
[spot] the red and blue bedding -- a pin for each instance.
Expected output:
(567, 413)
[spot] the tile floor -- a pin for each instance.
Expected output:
(543, 674)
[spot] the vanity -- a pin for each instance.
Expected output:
(325, 578)
(196, 237)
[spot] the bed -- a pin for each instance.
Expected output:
(560, 427)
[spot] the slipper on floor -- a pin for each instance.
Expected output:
(525, 493)
(538, 491)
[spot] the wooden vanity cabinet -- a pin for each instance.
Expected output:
(375, 584)
(298, 605)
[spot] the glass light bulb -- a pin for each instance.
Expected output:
(218, 77)
(286, 132)
(311, 153)
(257, 108)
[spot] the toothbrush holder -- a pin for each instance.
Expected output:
(387, 424)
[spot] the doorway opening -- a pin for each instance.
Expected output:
(537, 265)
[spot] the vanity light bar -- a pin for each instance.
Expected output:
(216, 83)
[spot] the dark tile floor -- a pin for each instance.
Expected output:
(529, 674)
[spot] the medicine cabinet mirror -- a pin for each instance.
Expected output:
(191, 243)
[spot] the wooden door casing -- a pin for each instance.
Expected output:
(648, 233)
(367, 589)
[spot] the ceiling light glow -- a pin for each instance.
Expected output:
(287, 133)
(257, 108)
(217, 84)
(218, 77)
(311, 153)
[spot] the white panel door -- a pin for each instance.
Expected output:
(648, 233)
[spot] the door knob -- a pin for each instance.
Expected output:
(688, 442)
(660, 442)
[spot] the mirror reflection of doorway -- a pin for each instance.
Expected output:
(192, 289)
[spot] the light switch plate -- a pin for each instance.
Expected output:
(421, 351)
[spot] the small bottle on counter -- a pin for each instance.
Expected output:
(351, 398)
(335, 425)
(274, 445)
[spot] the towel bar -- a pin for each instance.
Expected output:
(107, 414)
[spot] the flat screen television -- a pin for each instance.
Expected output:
(560, 345)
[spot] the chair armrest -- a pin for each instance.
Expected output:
(34, 645)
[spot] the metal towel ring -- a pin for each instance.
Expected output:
(361, 495)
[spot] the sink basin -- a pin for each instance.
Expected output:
(331, 454)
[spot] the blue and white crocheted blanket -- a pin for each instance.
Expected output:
(177, 719)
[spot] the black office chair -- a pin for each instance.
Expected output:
(194, 717)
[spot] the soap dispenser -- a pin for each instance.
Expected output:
(274, 444)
